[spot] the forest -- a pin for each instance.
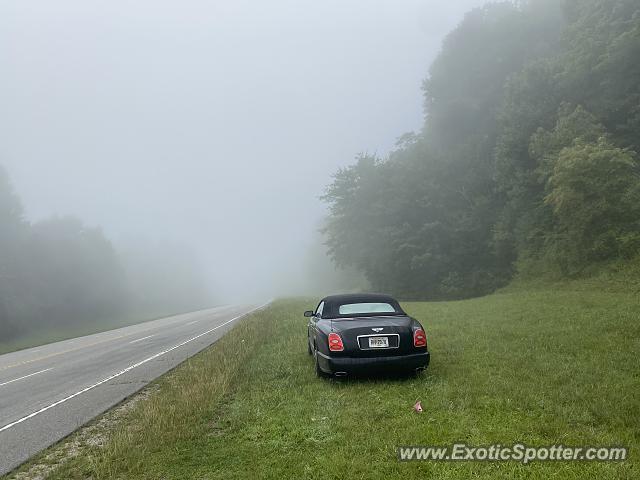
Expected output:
(526, 164)
(61, 277)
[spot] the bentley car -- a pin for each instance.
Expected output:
(360, 333)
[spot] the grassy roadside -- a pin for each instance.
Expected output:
(545, 367)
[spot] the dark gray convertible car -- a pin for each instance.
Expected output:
(358, 333)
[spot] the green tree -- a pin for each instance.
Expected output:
(12, 237)
(594, 191)
(600, 67)
(524, 102)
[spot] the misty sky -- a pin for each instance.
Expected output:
(210, 124)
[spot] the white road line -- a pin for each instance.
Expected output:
(26, 376)
(143, 338)
(122, 372)
(191, 323)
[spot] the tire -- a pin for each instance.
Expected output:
(319, 372)
(309, 351)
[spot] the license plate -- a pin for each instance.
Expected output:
(378, 342)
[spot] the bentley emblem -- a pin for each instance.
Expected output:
(377, 329)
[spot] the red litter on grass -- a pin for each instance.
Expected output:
(418, 406)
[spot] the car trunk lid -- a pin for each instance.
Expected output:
(365, 336)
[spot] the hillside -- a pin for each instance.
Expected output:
(527, 162)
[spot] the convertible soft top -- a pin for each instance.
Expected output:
(332, 303)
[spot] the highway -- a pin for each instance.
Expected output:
(47, 392)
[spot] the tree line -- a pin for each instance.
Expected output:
(526, 162)
(60, 275)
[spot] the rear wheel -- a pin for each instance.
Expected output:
(319, 372)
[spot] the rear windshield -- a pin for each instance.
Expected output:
(365, 308)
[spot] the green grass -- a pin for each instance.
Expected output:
(545, 367)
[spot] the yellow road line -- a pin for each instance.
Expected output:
(26, 362)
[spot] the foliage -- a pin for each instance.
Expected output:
(527, 153)
(595, 196)
(59, 275)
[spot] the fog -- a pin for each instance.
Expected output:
(212, 127)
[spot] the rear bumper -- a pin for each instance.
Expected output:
(355, 365)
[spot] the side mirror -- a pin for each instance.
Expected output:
(308, 313)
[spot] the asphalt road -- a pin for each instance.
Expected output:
(48, 392)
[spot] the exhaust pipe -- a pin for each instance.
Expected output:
(340, 374)
(419, 369)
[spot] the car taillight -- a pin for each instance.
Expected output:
(335, 343)
(419, 338)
